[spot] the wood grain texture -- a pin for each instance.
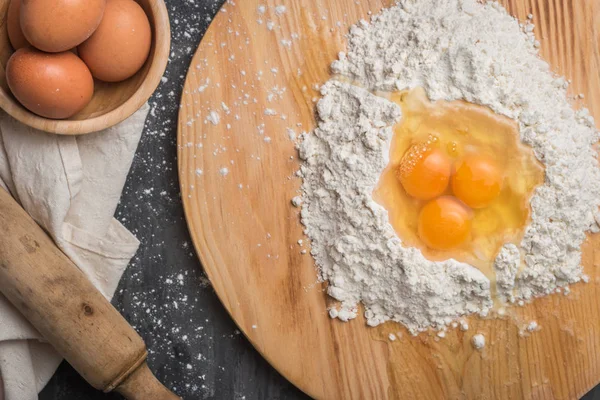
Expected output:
(245, 230)
(72, 315)
(112, 102)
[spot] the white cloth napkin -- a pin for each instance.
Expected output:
(71, 186)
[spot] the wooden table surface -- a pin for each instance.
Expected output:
(245, 228)
(194, 345)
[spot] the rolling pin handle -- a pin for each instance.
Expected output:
(143, 385)
(71, 314)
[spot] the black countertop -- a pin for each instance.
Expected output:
(195, 348)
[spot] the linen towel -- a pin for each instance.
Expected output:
(71, 186)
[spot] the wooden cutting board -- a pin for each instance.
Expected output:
(237, 168)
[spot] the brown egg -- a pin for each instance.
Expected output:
(51, 85)
(59, 25)
(13, 25)
(121, 44)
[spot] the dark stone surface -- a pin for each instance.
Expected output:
(194, 346)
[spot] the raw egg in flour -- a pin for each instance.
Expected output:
(444, 223)
(424, 170)
(477, 180)
(59, 25)
(459, 180)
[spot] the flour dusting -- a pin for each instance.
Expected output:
(478, 341)
(455, 50)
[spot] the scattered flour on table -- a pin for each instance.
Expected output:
(297, 201)
(280, 10)
(456, 50)
(533, 325)
(478, 341)
(213, 118)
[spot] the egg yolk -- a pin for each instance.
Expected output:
(444, 223)
(477, 181)
(459, 181)
(424, 171)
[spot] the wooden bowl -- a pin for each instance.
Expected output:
(112, 102)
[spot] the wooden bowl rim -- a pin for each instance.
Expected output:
(158, 64)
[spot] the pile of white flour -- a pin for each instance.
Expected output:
(455, 49)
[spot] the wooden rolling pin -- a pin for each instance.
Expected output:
(71, 314)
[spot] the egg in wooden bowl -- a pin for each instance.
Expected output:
(123, 76)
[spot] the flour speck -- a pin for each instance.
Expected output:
(213, 118)
(280, 10)
(297, 201)
(478, 341)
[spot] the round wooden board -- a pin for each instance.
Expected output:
(237, 179)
